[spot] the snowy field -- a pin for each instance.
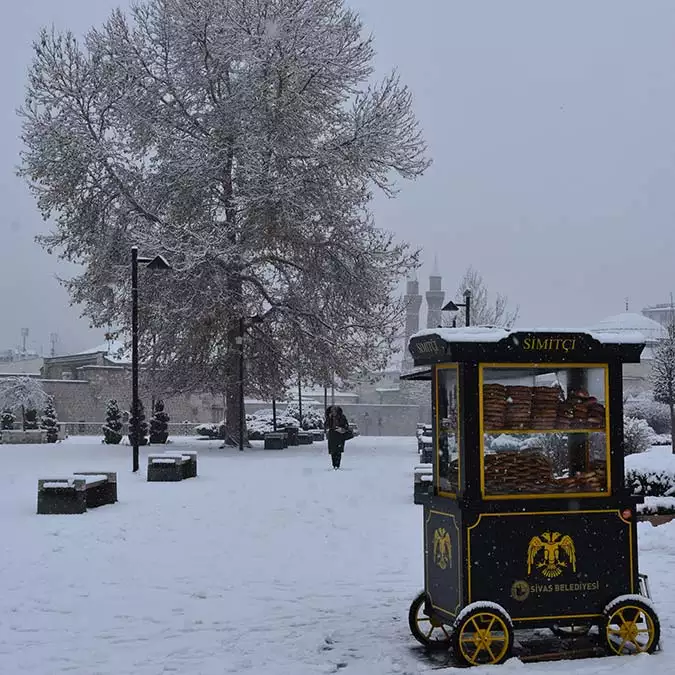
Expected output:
(269, 563)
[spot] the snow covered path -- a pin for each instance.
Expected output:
(269, 563)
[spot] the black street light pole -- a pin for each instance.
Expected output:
(242, 412)
(243, 324)
(157, 263)
(134, 356)
(454, 307)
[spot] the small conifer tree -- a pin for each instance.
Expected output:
(159, 424)
(50, 423)
(112, 429)
(142, 425)
(7, 419)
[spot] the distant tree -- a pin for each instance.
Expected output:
(25, 394)
(159, 424)
(112, 429)
(485, 310)
(245, 140)
(7, 419)
(142, 425)
(50, 423)
(663, 376)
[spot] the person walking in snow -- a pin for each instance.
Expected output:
(337, 430)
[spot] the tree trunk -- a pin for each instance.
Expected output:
(23, 418)
(232, 392)
(672, 426)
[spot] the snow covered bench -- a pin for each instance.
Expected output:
(423, 483)
(76, 493)
(305, 438)
(276, 440)
(172, 466)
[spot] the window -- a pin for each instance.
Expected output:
(447, 425)
(544, 430)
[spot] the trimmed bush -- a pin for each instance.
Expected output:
(656, 483)
(112, 430)
(657, 415)
(637, 435)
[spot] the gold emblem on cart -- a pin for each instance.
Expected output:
(520, 590)
(545, 554)
(442, 548)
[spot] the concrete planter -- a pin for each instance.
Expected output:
(19, 437)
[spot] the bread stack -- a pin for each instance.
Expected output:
(545, 407)
(596, 415)
(517, 473)
(518, 407)
(565, 415)
(494, 406)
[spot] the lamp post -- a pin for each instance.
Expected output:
(156, 263)
(243, 325)
(454, 307)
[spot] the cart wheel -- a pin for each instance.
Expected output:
(427, 630)
(572, 630)
(631, 626)
(482, 634)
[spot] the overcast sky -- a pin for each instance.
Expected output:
(552, 128)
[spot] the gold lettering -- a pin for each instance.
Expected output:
(527, 343)
(549, 344)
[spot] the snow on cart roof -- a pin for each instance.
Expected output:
(491, 334)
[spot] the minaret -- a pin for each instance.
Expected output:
(413, 302)
(435, 296)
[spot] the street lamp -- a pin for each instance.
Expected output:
(454, 307)
(243, 325)
(156, 263)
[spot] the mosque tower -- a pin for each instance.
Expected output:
(413, 303)
(435, 296)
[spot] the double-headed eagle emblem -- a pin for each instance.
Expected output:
(442, 548)
(551, 543)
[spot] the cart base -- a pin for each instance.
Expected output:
(531, 646)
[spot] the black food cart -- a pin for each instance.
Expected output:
(527, 520)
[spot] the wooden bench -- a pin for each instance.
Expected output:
(305, 438)
(76, 493)
(318, 435)
(423, 484)
(172, 466)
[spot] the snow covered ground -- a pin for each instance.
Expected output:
(269, 563)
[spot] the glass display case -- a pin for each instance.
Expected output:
(544, 430)
(447, 423)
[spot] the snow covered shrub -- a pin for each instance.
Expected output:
(112, 429)
(142, 426)
(50, 423)
(215, 430)
(159, 424)
(313, 418)
(637, 435)
(657, 415)
(661, 439)
(261, 422)
(656, 483)
(7, 419)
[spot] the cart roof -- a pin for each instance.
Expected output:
(539, 345)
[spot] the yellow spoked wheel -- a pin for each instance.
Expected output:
(631, 627)
(482, 634)
(427, 630)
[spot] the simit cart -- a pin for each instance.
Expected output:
(527, 520)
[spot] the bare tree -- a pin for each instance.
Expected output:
(663, 376)
(243, 141)
(485, 311)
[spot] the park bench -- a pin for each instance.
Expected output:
(423, 484)
(318, 435)
(172, 466)
(276, 440)
(305, 438)
(76, 493)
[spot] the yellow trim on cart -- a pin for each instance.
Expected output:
(437, 477)
(459, 562)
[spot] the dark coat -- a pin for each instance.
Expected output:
(336, 440)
